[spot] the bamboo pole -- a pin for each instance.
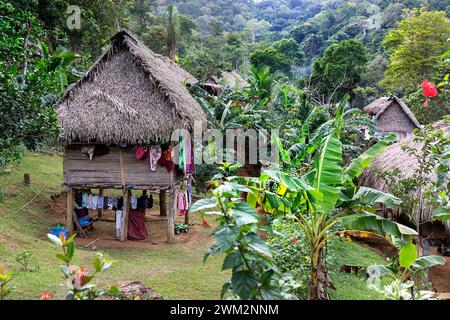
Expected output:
(171, 216)
(69, 216)
(126, 211)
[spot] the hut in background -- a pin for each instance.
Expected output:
(394, 157)
(393, 116)
(229, 79)
(129, 97)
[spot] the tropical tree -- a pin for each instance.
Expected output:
(416, 47)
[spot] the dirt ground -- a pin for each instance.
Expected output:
(440, 277)
(104, 230)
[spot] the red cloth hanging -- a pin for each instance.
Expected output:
(136, 225)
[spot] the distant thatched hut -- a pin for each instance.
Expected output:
(129, 97)
(393, 116)
(229, 79)
(394, 157)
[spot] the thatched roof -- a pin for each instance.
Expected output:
(233, 79)
(394, 157)
(130, 94)
(392, 115)
(230, 79)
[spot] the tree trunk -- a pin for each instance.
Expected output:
(319, 280)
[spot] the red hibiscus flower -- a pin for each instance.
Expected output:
(80, 277)
(44, 295)
(429, 91)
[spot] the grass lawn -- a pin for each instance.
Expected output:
(175, 271)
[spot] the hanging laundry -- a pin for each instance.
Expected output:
(94, 200)
(119, 214)
(182, 203)
(141, 152)
(154, 156)
(166, 159)
(100, 202)
(84, 200)
(112, 202)
(188, 192)
(119, 204)
(79, 198)
(105, 203)
(134, 202)
(89, 201)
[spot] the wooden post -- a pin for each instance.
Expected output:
(126, 211)
(100, 210)
(69, 217)
(163, 203)
(171, 215)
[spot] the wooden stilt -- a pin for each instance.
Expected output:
(126, 211)
(69, 217)
(171, 216)
(100, 210)
(163, 203)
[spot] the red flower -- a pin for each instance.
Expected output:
(429, 91)
(293, 239)
(429, 88)
(44, 295)
(80, 277)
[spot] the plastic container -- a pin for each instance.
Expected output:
(56, 231)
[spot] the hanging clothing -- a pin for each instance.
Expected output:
(188, 192)
(166, 159)
(182, 203)
(134, 202)
(79, 198)
(119, 215)
(112, 202)
(94, 200)
(105, 203)
(100, 202)
(84, 200)
(141, 153)
(136, 225)
(89, 201)
(154, 156)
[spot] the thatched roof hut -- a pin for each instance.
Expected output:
(130, 94)
(393, 116)
(229, 79)
(394, 157)
(127, 105)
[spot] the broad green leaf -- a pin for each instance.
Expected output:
(407, 255)
(442, 214)
(257, 244)
(70, 250)
(203, 204)
(369, 197)
(377, 224)
(244, 214)
(329, 172)
(428, 261)
(226, 236)
(232, 260)
(243, 282)
(357, 166)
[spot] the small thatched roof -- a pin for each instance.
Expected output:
(392, 115)
(230, 79)
(394, 157)
(233, 79)
(129, 94)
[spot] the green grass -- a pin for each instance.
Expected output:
(349, 286)
(175, 271)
